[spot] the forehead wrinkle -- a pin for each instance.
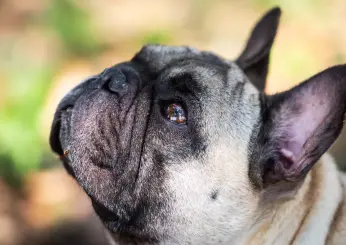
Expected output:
(184, 82)
(202, 72)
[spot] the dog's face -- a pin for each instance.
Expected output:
(180, 146)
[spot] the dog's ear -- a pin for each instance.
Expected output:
(298, 126)
(254, 59)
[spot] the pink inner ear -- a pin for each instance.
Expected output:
(313, 108)
(304, 122)
(289, 157)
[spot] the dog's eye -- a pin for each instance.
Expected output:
(175, 113)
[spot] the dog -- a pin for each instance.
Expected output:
(182, 146)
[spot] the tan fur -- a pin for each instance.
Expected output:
(337, 233)
(317, 214)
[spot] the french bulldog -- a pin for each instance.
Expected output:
(182, 146)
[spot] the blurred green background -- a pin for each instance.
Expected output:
(47, 47)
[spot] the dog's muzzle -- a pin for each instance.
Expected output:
(99, 129)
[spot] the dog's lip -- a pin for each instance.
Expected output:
(67, 102)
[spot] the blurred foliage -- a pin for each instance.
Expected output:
(21, 147)
(74, 27)
(20, 144)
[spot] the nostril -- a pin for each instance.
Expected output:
(114, 81)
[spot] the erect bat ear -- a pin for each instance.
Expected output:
(298, 126)
(254, 59)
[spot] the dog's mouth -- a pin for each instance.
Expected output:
(99, 131)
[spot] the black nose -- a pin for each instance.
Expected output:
(115, 81)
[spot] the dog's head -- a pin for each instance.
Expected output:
(180, 146)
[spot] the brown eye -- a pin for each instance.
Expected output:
(176, 113)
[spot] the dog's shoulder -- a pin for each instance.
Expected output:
(337, 232)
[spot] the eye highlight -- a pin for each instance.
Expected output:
(175, 113)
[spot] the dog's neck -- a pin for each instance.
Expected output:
(307, 218)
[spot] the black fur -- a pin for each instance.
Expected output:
(254, 59)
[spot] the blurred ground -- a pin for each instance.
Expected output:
(47, 47)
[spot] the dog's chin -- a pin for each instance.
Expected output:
(124, 238)
(123, 232)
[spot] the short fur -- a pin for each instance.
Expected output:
(246, 168)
